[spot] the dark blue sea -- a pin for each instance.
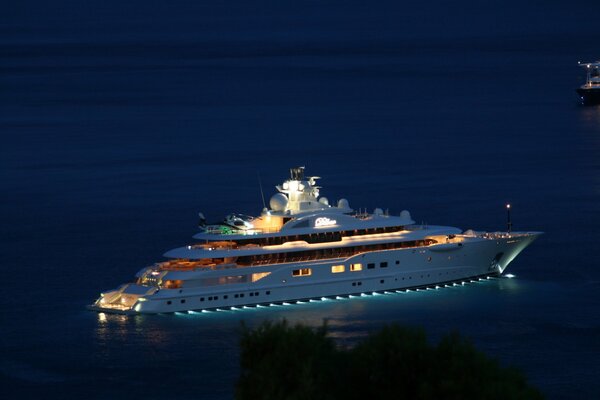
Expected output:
(120, 121)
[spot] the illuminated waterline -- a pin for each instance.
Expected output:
(332, 298)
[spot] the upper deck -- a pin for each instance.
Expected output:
(227, 250)
(298, 210)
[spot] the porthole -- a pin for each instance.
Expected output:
(169, 302)
(182, 301)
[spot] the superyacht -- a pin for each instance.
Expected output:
(303, 248)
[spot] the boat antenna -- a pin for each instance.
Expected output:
(262, 194)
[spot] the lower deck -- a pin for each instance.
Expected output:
(267, 301)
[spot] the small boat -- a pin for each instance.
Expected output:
(589, 93)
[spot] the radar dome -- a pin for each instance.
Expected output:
(343, 203)
(278, 202)
(405, 214)
(323, 200)
(378, 211)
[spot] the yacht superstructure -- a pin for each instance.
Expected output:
(589, 92)
(303, 248)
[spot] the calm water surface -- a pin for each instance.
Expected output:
(120, 122)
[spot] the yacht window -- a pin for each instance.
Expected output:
(356, 267)
(268, 292)
(370, 266)
(383, 265)
(397, 262)
(337, 269)
(302, 272)
(201, 298)
(173, 284)
(301, 224)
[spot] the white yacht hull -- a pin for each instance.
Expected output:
(407, 268)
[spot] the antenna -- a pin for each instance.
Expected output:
(262, 195)
(508, 221)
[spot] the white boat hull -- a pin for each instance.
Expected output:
(407, 268)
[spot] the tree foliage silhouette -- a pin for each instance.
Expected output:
(280, 361)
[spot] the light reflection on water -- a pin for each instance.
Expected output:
(590, 117)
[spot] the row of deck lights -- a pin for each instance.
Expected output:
(345, 297)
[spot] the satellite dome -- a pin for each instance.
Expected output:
(343, 203)
(278, 202)
(405, 214)
(378, 211)
(324, 201)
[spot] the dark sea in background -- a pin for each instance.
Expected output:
(119, 121)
